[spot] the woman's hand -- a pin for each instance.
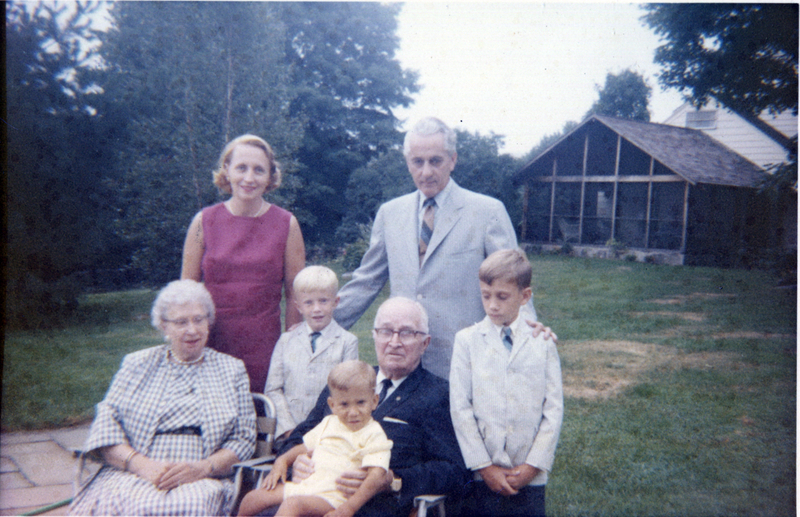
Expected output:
(150, 470)
(181, 473)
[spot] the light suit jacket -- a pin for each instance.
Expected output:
(467, 229)
(506, 406)
(296, 376)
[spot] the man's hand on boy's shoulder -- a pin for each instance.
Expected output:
(539, 328)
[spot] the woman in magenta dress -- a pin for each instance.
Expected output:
(246, 251)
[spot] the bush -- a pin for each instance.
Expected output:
(354, 252)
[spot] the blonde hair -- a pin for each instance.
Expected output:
(220, 176)
(316, 278)
(510, 265)
(352, 374)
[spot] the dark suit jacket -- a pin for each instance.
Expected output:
(425, 454)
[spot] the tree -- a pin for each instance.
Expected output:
(742, 55)
(480, 167)
(625, 95)
(58, 153)
(188, 77)
(348, 81)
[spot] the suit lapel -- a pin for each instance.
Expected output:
(400, 395)
(446, 218)
(410, 233)
(523, 337)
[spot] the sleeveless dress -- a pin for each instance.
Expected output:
(243, 270)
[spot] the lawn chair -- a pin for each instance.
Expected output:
(569, 231)
(249, 474)
(424, 502)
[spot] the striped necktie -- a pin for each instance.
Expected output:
(506, 333)
(426, 231)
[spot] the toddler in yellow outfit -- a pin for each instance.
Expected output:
(347, 440)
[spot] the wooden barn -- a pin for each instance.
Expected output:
(671, 193)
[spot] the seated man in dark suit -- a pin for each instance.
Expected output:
(414, 411)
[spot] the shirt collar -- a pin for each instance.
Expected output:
(514, 325)
(325, 330)
(440, 198)
(395, 382)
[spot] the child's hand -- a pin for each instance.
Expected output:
(275, 476)
(495, 478)
(522, 475)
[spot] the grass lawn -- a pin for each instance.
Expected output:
(680, 383)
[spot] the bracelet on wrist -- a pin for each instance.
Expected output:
(128, 459)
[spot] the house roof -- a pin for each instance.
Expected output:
(690, 153)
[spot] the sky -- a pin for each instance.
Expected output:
(522, 69)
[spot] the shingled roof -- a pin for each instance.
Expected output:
(690, 153)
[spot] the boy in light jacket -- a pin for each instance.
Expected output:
(506, 399)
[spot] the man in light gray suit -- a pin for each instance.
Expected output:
(432, 255)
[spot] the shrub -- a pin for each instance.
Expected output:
(354, 252)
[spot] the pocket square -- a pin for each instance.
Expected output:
(394, 420)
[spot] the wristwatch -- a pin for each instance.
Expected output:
(397, 485)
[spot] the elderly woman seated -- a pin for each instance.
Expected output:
(174, 421)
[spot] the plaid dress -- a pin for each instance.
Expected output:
(150, 397)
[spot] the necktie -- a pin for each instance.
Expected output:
(314, 336)
(506, 332)
(427, 226)
(387, 383)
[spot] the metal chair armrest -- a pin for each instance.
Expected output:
(423, 502)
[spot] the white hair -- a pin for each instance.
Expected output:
(401, 300)
(431, 126)
(180, 292)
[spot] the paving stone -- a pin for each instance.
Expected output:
(7, 465)
(71, 438)
(9, 480)
(21, 500)
(43, 463)
(26, 437)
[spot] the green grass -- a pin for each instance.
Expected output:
(682, 438)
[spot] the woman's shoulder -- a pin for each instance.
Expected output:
(279, 213)
(212, 210)
(144, 358)
(223, 361)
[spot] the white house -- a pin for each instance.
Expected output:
(736, 133)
